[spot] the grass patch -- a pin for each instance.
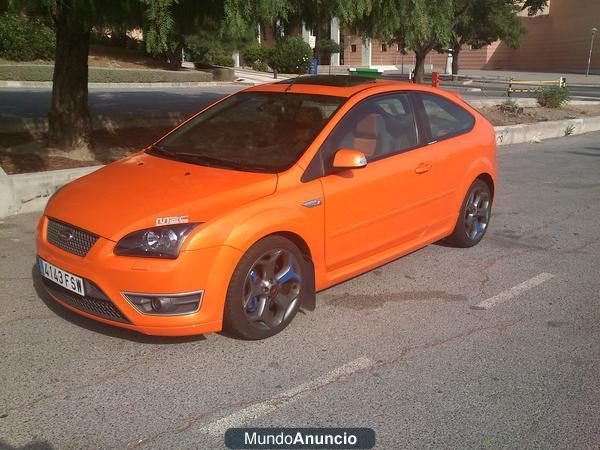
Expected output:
(553, 97)
(39, 72)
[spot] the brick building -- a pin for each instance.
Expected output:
(557, 39)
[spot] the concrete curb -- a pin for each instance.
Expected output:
(524, 102)
(536, 132)
(158, 85)
(29, 192)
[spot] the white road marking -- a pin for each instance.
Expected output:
(218, 427)
(513, 291)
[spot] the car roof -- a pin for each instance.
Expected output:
(336, 85)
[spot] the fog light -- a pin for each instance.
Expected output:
(165, 304)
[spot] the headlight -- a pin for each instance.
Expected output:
(157, 242)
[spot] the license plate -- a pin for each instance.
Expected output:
(62, 277)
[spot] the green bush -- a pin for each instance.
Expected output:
(260, 66)
(290, 55)
(553, 97)
(254, 54)
(511, 108)
(222, 59)
(24, 39)
(196, 48)
(327, 47)
(203, 50)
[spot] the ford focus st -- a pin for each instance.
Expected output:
(238, 216)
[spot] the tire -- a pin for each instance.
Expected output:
(474, 217)
(266, 289)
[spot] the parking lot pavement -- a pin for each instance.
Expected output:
(407, 349)
(31, 103)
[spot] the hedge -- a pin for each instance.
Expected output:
(25, 39)
(31, 72)
(290, 55)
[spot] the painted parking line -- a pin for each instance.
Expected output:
(514, 291)
(241, 417)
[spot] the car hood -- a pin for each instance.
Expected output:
(132, 194)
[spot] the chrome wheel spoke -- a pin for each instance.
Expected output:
(287, 272)
(476, 200)
(268, 263)
(469, 220)
(259, 310)
(270, 318)
(284, 300)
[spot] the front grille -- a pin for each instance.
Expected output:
(69, 238)
(95, 301)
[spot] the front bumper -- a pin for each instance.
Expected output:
(208, 269)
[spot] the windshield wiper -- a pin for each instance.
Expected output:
(207, 161)
(162, 151)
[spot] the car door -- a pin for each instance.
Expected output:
(385, 204)
(447, 127)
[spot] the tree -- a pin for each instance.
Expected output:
(165, 23)
(427, 23)
(327, 48)
(69, 119)
(417, 25)
(481, 22)
(289, 55)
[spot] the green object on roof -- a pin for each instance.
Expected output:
(365, 72)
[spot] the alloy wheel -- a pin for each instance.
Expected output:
(271, 289)
(477, 213)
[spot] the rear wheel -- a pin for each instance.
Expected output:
(474, 216)
(265, 290)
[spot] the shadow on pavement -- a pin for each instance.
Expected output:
(33, 445)
(99, 327)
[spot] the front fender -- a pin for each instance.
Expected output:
(280, 213)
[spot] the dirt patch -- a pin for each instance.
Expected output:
(25, 152)
(28, 152)
(501, 115)
(103, 56)
(112, 57)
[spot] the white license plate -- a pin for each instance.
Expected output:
(62, 277)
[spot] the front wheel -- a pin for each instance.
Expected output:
(265, 290)
(474, 217)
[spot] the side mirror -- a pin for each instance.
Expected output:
(349, 159)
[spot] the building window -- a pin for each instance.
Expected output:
(383, 47)
(353, 48)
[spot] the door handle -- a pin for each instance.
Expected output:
(424, 167)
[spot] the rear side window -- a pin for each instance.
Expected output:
(446, 119)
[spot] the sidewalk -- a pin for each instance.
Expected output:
(253, 77)
(572, 78)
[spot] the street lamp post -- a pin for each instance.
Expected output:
(591, 48)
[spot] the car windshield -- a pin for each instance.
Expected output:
(251, 131)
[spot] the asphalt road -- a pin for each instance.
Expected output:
(399, 349)
(35, 102)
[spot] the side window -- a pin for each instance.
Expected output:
(446, 119)
(380, 126)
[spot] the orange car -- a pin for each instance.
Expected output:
(238, 216)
